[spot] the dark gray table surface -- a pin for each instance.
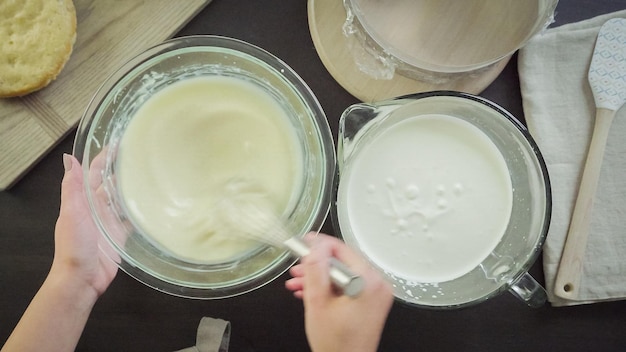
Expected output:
(133, 317)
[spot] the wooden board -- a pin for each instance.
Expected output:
(326, 18)
(109, 33)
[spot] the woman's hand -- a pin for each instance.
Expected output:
(335, 322)
(76, 253)
(80, 273)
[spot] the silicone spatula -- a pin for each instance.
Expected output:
(607, 78)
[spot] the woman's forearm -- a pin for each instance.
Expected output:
(55, 318)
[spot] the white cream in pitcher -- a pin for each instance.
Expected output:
(184, 146)
(428, 199)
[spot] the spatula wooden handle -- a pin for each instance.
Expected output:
(568, 277)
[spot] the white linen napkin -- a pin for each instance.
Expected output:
(559, 110)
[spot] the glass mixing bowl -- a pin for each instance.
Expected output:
(438, 40)
(506, 266)
(112, 108)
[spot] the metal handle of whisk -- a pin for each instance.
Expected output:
(342, 277)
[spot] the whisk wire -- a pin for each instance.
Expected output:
(250, 216)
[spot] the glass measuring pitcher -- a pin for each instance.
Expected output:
(402, 224)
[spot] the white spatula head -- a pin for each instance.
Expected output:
(607, 72)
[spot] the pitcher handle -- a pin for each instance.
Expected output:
(529, 291)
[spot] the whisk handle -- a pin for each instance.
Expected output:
(350, 284)
(342, 277)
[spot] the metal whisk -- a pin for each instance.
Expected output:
(249, 217)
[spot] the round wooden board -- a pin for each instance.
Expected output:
(326, 18)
